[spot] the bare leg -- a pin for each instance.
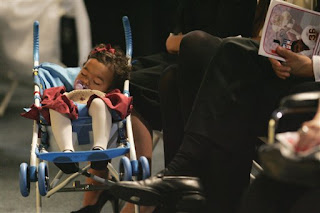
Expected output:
(143, 143)
(142, 138)
(91, 197)
(101, 123)
(62, 130)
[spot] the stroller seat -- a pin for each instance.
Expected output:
(53, 75)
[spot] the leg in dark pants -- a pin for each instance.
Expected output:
(238, 92)
(179, 85)
(228, 114)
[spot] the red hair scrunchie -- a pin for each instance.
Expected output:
(107, 48)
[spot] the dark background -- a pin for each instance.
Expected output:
(150, 22)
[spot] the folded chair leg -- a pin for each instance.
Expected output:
(7, 97)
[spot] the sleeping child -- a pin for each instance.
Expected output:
(105, 70)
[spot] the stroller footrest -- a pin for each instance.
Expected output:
(82, 156)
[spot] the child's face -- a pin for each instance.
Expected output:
(95, 75)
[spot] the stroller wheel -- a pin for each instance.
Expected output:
(43, 178)
(144, 168)
(24, 180)
(125, 169)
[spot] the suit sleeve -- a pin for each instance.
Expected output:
(316, 67)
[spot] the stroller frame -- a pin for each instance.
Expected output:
(37, 170)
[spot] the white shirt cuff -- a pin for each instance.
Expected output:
(316, 67)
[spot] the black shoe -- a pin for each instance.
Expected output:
(96, 208)
(67, 168)
(182, 191)
(99, 165)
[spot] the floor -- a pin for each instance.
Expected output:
(15, 141)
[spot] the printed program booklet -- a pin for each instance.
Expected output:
(292, 27)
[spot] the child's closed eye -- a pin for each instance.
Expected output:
(97, 82)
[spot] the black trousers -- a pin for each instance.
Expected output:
(233, 103)
(179, 86)
(144, 81)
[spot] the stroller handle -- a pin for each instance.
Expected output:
(128, 37)
(36, 43)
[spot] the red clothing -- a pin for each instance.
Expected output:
(53, 98)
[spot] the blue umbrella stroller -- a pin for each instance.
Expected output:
(47, 75)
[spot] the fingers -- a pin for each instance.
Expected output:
(274, 62)
(309, 138)
(285, 53)
(305, 138)
(280, 69)
(305, 144)
(283, 75)
(278, 66)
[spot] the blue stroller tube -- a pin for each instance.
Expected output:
(144, 168)
(128, 36)
(125, 169)
(36, 43)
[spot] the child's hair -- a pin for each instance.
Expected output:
(114, 58)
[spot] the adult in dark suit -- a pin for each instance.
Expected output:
(179, 83)
(237, 95)
(238, 92)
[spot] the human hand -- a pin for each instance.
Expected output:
(173, 43)
(295, 64)
(280, 69)
(309, 135)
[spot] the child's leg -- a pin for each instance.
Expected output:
(101, 123)
(142, 137)
(143, 142)
(62, 130)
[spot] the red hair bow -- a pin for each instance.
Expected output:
(107, 48)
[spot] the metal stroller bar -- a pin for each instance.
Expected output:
(35, 140)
